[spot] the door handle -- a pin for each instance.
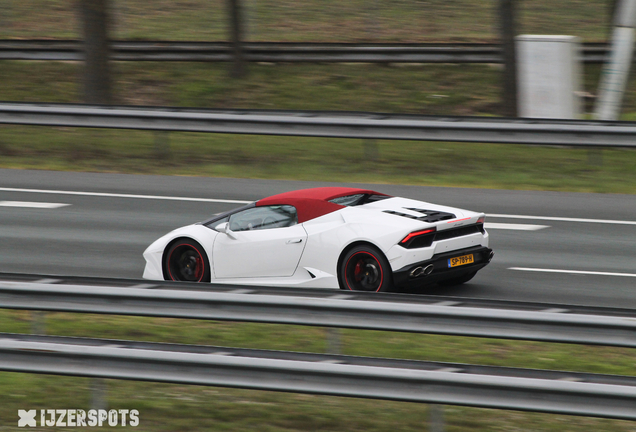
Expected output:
(294, 241)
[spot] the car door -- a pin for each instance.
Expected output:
(262, 241)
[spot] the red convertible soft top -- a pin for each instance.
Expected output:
(313, 203)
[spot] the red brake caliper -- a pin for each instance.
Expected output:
(357, 271)
(199, 271)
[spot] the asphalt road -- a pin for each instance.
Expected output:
(105, 235)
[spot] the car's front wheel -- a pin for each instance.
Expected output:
(186, 261)
(364, 268)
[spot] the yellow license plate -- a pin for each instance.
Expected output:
(461, 260)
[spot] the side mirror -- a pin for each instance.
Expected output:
(224, 228)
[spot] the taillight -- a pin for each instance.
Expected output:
(480, 224)
(418, 235)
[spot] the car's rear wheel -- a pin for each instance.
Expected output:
(458, 280)
(186, 261)
(364, 268)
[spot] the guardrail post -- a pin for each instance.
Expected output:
(38, 322)
(162, 144)
(98, 394)
(371, 151)
(436, 418)
(334, 342)
(595, 156)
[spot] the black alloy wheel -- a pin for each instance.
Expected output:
(365, 268)
(186, 261)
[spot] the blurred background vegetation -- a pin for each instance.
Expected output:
(312, 20)
(441, 89)
(437, 89)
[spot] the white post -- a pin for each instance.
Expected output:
(616, 69)
(549, 76)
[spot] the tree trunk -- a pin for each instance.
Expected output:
(236, 36)
(508, 33)
(94, 15)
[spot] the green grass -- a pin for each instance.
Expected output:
(172, 407)
(339, 160)
(431, 89)
(311, 20)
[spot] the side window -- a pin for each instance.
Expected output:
(259, 218)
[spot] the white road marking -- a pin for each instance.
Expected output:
(518, 227)
(563, 219)
(593, 273)
(25, 204)
(228, 201)
(115, 195)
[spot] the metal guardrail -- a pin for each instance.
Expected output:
(403, 380)
(580, 133)
(333, 308)
(288, 52)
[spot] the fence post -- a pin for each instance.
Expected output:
(94, 17)
(509, 52)
(236, 38)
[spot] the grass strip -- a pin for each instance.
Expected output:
(430, 89)
(310, 20)
(177, 407)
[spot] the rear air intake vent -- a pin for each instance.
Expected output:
(429, 216)
(459, 232)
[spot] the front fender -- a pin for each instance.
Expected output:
(154, 253)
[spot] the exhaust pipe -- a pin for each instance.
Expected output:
(422, 271)
(417, 272)
(491, 255)
(428, 269)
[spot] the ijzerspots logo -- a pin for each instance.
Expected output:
(77, 418)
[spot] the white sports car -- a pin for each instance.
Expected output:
(331, 237)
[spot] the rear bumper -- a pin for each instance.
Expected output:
(441, 270)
